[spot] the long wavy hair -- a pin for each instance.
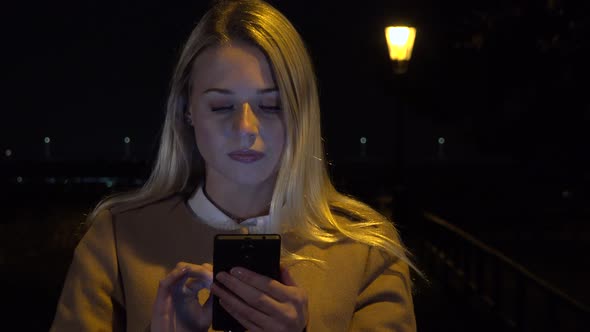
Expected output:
(304, 202)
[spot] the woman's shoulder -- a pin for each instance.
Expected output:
(351, 209)
(346, 214)
(365, 230)
(132, 219)
(125, 212)
(147, 206)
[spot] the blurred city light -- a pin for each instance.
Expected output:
(363, 140)
(441, 140)
(127, 140)
(47, 140)
(8, 152)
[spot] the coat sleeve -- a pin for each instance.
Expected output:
(91, 299)
(385, 300)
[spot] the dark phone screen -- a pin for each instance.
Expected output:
(260, 253)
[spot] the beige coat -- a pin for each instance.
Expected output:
(112, 281)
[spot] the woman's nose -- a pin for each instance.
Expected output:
(246, 122)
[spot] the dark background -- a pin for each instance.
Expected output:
(500, 80)
(503, 82)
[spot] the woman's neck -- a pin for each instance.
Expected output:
(239, 204)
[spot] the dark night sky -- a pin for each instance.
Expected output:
(87, 74)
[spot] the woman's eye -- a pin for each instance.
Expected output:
(222, 108)
(270, 108)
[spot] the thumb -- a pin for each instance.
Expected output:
(208, 306)
(286, 278)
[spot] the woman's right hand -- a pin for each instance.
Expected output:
(177, 307)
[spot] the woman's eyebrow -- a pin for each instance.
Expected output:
(230, 92)
(222, 91)
(267, 90)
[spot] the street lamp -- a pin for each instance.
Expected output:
(400, 42)
(127, 142)
(47, 141)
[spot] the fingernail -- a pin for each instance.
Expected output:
(237, 272)
(221, 276)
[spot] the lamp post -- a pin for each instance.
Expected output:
(400, 42)
(47, 146)
(127, 142)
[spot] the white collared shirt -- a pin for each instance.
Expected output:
(215, 218)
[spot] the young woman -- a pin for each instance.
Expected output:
(240, 152)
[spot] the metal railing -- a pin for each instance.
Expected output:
(514, 295)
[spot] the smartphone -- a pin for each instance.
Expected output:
(260, 253)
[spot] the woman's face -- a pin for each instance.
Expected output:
(236, 113)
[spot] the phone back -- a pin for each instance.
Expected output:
(260, 253)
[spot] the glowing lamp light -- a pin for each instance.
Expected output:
(47, 140)
(127, 140)
(400, 42)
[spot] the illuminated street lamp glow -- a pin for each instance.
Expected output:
(400, 42)
(19, 179)
(47, 140)
(8, 152)
(441, 140)
(363, 140)
(127, 140)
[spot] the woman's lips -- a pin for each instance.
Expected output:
(246, 156)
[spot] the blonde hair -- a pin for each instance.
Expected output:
(304, 201)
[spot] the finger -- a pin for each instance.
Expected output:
(163, 299)
(252, 296)
(240, 310)
(196, 277)
(269, 286)
(201, 272)
(185, 295)
(208, 266)
(246, 323)
(189, 290)
(194, 285)
(286, 277)
(208, 306)
(285, 302)
(174, 276)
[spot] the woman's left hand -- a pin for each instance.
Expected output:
(263, 304)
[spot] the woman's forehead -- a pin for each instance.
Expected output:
(232, 66)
